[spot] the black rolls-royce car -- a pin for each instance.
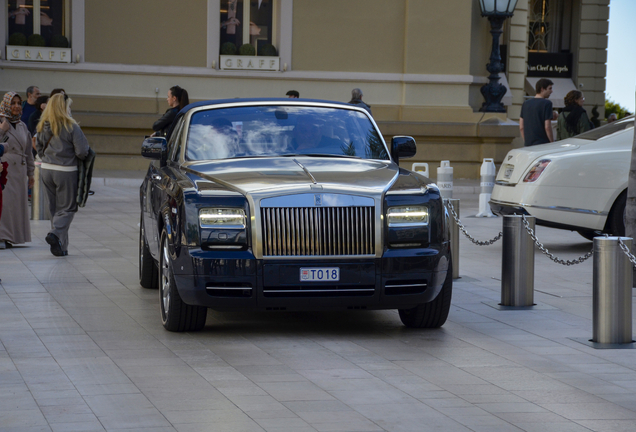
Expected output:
(280, 204)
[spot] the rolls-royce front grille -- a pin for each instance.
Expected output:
(326, 231)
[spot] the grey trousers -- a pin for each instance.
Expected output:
(60, 188)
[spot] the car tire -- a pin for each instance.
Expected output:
(176, 316)
(615, 224)
(148, 270)
(432, 314)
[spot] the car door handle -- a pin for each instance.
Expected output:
(156, 177)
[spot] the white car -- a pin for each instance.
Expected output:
(579, 183)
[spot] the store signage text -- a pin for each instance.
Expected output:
(39, 54)
(543, 64)
(250, 63)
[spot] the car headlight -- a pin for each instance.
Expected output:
(407, 216)
(231, 218)
(536, 171)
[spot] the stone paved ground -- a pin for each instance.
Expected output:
(82, 349)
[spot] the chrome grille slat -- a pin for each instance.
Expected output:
(318, 231)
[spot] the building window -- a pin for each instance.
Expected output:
(48, 18)
(550, 25)
(248, 22)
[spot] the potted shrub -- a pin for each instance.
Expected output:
(228, 48)
(267, 50)
(36, 40)
(59, 41)
(18, 39)
(247, 50)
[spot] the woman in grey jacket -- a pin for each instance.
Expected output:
(60, 144)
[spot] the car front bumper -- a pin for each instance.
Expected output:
(400, 279)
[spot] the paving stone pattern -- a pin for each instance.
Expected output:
(82, 349)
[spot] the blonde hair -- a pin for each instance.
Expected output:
(57, 114)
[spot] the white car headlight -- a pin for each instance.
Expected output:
(405, 216)
(233, 218)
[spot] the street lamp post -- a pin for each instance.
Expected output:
(496, 11)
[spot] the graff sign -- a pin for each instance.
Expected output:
(39, 54)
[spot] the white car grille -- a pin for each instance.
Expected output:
(318, 231)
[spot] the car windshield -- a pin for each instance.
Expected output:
(608, 129)
(282, 130)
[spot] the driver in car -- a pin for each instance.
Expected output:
(308, 137)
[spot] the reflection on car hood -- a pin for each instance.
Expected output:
(282, 174)
(522, 158)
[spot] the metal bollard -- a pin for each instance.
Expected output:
(39, 203)
(421, 168)
(612, 292)
(445, 179)
(517, 263)
(488, 173)
(454, 234)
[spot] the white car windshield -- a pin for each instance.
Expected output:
(608, 129)
(282, 130)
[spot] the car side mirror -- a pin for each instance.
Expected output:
(155, 148)
(402, 147)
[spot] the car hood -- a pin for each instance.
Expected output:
(522, 159)
(283, 175)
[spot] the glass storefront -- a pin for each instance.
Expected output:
(247, 22)
(47, 18)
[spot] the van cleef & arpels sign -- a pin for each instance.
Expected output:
(38, 54)
(555, 65)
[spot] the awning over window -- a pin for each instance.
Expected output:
(561, 87)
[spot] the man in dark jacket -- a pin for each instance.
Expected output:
(29, 106)
(356, 99)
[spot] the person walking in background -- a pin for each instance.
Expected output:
(573, 120)
(29, 105)
(60, 144)
(34, 118)
(535, 123)
(611, 118)
(177, 99)
(14, 225)
(356, 99)
(293, 94)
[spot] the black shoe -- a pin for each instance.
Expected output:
(56, 245)
(90, 192)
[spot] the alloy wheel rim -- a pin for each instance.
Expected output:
(165, 280)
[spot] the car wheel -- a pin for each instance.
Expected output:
(432, 314)
(176, 316)
(615, 224)
(148, 272)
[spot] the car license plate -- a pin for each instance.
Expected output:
(319, 274)
(508, 171)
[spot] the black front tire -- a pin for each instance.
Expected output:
(176, 316)
(432, 314)
(148, 271)
(616, 219)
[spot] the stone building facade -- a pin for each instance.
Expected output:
(420, 63)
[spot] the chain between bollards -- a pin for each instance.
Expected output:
(463, 229)
(625, 250)
(543, 249)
